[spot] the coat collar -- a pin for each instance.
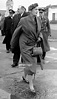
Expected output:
(38, 21)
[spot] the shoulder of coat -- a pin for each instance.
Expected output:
(39, 19)
(24, 19)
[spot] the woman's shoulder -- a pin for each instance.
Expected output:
(23, 19)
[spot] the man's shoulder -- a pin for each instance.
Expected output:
(25, 14)
(6, 18)
(16, 15)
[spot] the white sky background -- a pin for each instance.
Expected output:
(26, 3)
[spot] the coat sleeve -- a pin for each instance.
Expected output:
(4, 27)
(15, 39)
(48, 26)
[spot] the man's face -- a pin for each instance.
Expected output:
(11, 14)
(41, 14)
(21, 10)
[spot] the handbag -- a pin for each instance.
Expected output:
(37, 51)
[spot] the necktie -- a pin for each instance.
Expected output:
(36, 24)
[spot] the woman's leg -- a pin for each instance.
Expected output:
(31, 86)
(30, 64)
(30, 77)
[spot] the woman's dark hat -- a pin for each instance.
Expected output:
(11, 11)
(32, 6)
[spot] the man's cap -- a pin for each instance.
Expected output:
(11, 11)
(41, 10)
(32, 6)
(23, 7)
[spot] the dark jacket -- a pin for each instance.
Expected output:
(46, 31)
(8, 29)
(16, 20)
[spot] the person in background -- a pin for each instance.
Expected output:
(27, 38)
(2, 24)
(0, 16)
(46, 31)
(16, 52)
(0, 20)
(8, 29)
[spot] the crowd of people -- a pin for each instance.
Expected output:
(23, 32)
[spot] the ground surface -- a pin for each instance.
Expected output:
(11, 84)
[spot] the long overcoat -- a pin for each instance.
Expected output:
(25, 34)
(8, 29)
(46, 31)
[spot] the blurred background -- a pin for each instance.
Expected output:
(49, 5)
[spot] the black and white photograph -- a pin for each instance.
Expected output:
(28, 49)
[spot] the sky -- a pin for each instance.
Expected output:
(26, 3)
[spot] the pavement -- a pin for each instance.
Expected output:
(11, 84)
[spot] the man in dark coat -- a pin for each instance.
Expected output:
(8, 29)
(46, 31)
(21, 13)
(2, 24)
